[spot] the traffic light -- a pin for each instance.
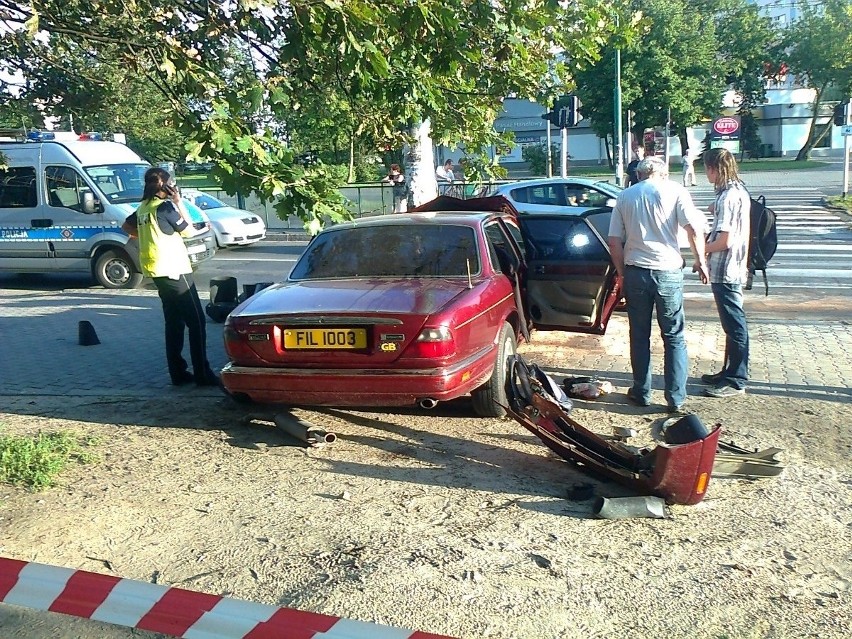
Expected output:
(574, 115)
(840, 114)
(567, 111)
(551, 116)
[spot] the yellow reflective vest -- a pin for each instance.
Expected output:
(160, 254)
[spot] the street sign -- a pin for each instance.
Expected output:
(726, 126)
(846, 130)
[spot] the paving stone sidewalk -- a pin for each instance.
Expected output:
(40, 353)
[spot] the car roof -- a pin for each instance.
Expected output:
(416, 219)
(554, 180)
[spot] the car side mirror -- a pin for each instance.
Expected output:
(90, 204)
(610, 202)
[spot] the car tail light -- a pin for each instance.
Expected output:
(433, 342)
(236, 342)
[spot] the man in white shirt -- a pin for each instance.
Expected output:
(643, 240)
(445, 176)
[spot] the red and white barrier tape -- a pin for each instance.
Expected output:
(173, 611)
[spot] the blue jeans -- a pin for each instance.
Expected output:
(645, 290)
(729, 303)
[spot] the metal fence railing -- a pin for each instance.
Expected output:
(362, 200)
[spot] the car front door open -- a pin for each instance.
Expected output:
(571, 282)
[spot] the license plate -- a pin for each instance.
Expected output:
(198, 248)
(325, 338)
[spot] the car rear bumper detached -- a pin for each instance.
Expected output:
(354, 387)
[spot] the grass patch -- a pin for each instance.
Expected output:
(841, 202)
(35, 461)
(197, 181)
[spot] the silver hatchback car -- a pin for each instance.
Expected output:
(571, 196)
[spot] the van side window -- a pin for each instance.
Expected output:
(18, 188)
(64, 187)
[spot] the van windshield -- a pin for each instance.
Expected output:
(119, 182)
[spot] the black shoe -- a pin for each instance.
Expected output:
(183, 378)
(712, 378)
(209, 379)
(631, 397)
(675, 408)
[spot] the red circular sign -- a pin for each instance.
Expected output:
(726, 126)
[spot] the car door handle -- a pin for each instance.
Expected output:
(41, 223)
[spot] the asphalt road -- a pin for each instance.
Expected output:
(811, 272)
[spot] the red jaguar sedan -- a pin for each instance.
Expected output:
(418, 308)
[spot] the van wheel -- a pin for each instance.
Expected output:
(489, 399)
(113, 269)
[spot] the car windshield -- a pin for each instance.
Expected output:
(119, 182)
(390, 251)
(205, 202)
(609, 187)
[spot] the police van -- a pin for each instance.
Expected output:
(62, 204)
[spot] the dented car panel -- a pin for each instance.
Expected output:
(680, 473)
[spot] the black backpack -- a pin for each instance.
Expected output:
(763, 240)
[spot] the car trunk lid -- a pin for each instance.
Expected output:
(341, 323)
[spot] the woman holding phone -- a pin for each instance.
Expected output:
(158, 223)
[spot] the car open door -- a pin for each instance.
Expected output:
(570, 281)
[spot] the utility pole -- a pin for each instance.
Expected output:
(619, 154)
(549, 159)
(847, 145)
(668, 132)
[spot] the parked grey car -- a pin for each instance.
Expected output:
(559, 195)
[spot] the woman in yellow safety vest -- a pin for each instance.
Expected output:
(158, 223)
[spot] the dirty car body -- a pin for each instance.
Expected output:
(417, 308)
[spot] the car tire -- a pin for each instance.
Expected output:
(489, 399)
(113, 269)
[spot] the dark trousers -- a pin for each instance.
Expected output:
(182, 310)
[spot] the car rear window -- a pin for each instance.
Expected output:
(390, 251)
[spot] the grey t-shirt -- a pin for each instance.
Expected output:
(646, 218)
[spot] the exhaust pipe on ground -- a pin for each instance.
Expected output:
(428, 402)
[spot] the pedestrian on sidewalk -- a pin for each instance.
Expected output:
(396, 178)
(158, 223)
(445, 177)
(727, 250)
(688, 161)
(643, 240)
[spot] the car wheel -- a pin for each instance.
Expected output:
(113, 269)
(489, 399)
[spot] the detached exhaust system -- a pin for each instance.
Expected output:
(427, 403)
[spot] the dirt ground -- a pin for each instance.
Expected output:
(444, 522)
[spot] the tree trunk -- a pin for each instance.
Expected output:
(420, 165)
(805, 152)
(684, 140)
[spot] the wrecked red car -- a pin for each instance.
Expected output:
(418, 308)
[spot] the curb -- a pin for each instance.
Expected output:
(172, 611)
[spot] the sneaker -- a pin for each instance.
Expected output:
(712, 378)
(631, 397)
(675, 408)
(724, 390)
